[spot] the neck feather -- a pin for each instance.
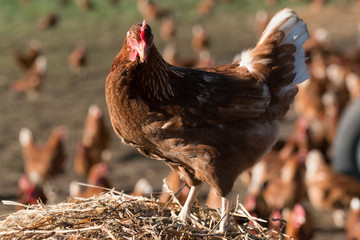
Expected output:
(154, 76)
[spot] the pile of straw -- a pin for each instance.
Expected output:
(115, 215)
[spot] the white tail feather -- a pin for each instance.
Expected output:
(295, 33)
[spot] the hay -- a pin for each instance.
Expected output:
(115, 215)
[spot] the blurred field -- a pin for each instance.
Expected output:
(65, 97)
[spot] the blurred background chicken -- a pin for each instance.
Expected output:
(205, 6)
(25, 60)
(94, 144)
(48, 21)
(200, 38)
(353, 221)
(33, 79)
(299, 223)
(98, 177)
(168, 27)
(77, 59)
(84, 5)
(30, 193)
(43, 161)
(328, 190)
(149, 9)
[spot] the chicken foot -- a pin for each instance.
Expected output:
(225, 213)
(184, 214)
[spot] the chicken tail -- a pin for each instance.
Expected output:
(279, 59)
(280, 46)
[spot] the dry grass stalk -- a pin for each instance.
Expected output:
(115, 215)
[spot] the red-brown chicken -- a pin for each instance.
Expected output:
(200, 38)
(205, 6)
(84, 4)
(43, 161)
(48, 21)
(353, 220)
(289, 188)
(26, 59)
(33, 79)
(168, 27)
(77, 59)
(30, 193)
(299, 224)
(98, 177)
(149, 9)
(210, 124)
(95, 141)
(328, 190)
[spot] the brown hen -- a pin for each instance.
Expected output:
(43, 161)
(33, 79)
(95, 142)
(30, 193)
(353, 220)
(328, 190)
(98, 178)
(207, 124)
(26, 60)
(299, 224)
(77, 59)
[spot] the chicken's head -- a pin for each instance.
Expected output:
(139, 41)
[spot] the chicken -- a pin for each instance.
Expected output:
(84, 159)
(48, 21)
(84, 4)
(43, 161)
(33, 79)
(168, 28)
(95, 142)
(200, 38)
(77, 59)
(289, 188)
(328, 190)
(95, 132)
(207, 124)
(353, 85)
(27, 59)
(205, 6)
(170, 54)
(353, 220)
(98, 177)
(276, 181)
(30, 193)
(113, 2)
(270, 166)
(299, 224)
(149, 9)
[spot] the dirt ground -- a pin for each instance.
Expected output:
(65, 98)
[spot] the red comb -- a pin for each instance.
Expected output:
(142, 30)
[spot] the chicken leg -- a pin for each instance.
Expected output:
(225, 213)
(184, 214)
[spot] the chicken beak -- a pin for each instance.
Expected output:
(142, 55)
